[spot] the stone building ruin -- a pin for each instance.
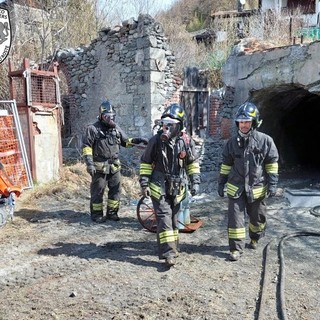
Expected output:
(132, 66)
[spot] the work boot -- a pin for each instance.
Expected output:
(170, 261)
(112, 216)
(253, 244)
(234, 255)
(98, 217)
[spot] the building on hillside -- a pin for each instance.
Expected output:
(292, 18)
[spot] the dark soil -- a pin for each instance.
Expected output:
(57, 264)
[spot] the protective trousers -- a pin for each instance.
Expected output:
(237, 210)
(97, 188)
(167, 231)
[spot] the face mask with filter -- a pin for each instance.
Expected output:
(171, 128)
(108, 119)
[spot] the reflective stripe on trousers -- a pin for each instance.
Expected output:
(167, 231)
(98, 185)
(237, 209)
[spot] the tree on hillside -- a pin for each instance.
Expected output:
(187, 16)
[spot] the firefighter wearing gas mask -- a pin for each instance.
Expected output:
(167, 165)
(100, 150)
(249, 170)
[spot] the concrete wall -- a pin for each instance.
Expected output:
(245, 73)
(29, 26)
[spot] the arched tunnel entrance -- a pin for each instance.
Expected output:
(291, 116)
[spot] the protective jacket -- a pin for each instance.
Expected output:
(166, 166)
(101, 144)
(249, 165)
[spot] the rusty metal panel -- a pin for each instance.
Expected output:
(19, 89)
(195, 104)
(24, 122)
(31, 87)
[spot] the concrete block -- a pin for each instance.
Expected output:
(303, 197)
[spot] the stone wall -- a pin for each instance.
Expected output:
(130, 65)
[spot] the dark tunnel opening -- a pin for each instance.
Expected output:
(302, 134)
(291, 116)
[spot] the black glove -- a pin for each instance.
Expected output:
(221, 190)
(145, 191)
(140, 140)
(194, 189)
(91, 169)
(272, 191)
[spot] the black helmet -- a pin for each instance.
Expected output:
(107, 114)
(174, 111)
(248, 112)
(106, 107)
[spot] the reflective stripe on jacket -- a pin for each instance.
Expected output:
(164, 172)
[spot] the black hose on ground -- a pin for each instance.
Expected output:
(282, 308)
(315, 211)
(265, 269)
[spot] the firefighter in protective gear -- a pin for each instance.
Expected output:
(249, 170)
(100, 150)
(167, 165)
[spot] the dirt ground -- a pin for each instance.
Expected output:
(57, 264)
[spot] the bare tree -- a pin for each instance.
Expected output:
(48, 25)
(120, 10)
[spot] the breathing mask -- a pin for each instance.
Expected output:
(170, 127)
(108, 119)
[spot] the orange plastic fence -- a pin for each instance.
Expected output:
(10, 154)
